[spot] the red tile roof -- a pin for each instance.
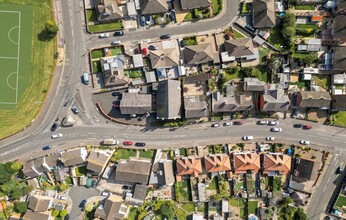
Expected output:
(189, 166)
(316, 18)
(244, 162)
(216, 163)
(276, 162)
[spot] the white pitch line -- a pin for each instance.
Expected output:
(18, 55)
(9, 58)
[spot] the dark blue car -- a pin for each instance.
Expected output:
(47, 147)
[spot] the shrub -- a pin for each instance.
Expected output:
(55, 213)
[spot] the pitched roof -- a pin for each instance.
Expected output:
(253, 84)
(231, 103)
(339, 28)
(305, 169)
(243, 162)
(195, 107)
(168, 99)
(240, 48)
(153, 6)
(197, 54)
(97, 161)
(339, 102)
(113, 209)
(339, 57)
(135, 103)
(314, 99)
(140, 192)
(133, 171)
(165, 175)
(39, 203)
(189, 166)
(108, 10)
(192, 4)
(263, 13)
(275, 100)
(30, 215)
(113, 70)
(164, 58)
(74, 156)
(276, 162)
(217, 163)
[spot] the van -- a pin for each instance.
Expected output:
(109, 142)
(86, 78)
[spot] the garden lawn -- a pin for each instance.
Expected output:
(184, 191)
(134, 73)
(341, 201)
(233, 202)
(304, 7)
(116, 51)
(123, 154)
(227, 75)
(97, 28)
(252, 206)
(189, 207)
(237, 34)
(91, 15)
(340, 119)
(276, 38)
(189, 16)
(95, 54)
(147, 154)
(307, 26)
(132, 214)
(96, 66)
(321, 80)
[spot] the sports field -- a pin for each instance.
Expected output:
(15, 53)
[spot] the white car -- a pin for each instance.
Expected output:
(304, 142)
(273, 123)
(246, 138)
(104, 35)
(62, 197)
(227, 124)
(116, 42)
(54, 136)
(176, 152)
(276, 129)
(215, 125)
(270, 138)
(262, 122)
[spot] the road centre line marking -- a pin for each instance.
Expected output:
(328, 179)
(325, 187)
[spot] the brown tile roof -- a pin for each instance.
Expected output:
(310, 99)
(263, 13)
(217, 163)
(153, 6)
(30, 215)
(97, 161)
(197, 54)
(339, 57)
(339, 28)
(244, 162)
(113, 209)
(276, 162)
(339, 102)
(164, 58)
(189, 166)
(133, 171)
(240, 47)
(192, 4)
(73, 157)
(39, 203)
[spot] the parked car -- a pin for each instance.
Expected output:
(126, 187)
(116, 42)
(298, 125)
(176, 152)
(142, 21)
(182, 43)
(139, 144)
(227, 123)
(269, 138)
(273, 122)
(62, 197)
(54, 136)
(105, 193)
(339, 170)
(165, 36)
(104, 35)
(75, 109)
(239, 122)
(54, 127)
(304, 142)
(276, 129)
(307, 127)
(82, 204)
(118, 33)
(215, 125)
(128, 143)
(152, 47)
(246, 138)
(143, 117)
(262, 122)
(116, 93)
(47, 147)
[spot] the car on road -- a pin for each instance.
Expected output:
(116, 42)
(262, 122)
(139, 144)
(152, 47)
(104, 35)
(116, 93)
(273, 122)
(54, 136)
(305, 142)
(298, 125)
(307, 127)
(128, 143)
(215, 125)
(239, 122)
(75, 109)
(54, 127)
(165, 36)
(269, 138)
(247, 138)
(118, 33)
(227, 124)
(339, 170)
(276, 129)
(47, 147)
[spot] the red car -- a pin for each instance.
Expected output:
(307, 127)
(239, 122)
(128, 143)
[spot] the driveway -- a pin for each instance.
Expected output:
(78, 194)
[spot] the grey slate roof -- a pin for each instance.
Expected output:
(168, 99)
(140, 192)
(97, 161)
(164, 58)
(39, 203)
(192, 4)
(133, 171)
(253, 84)
(240, 48)
(195, 107)
(305, 169)
(275, 101)
(231, 103)
(108, 10)
(165, 175)
(339, 102)
(153, 6)
(113, 209)
(72, 157)
(314, 99)
(134, 103)
(30, 215)
(197, 54)
(263, 13)
(339, 57)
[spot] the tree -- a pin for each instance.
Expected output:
(288, 20)
(51, 28)
(309, 59)
(20, 207)
(235, 69)
(5, 173)
(16, 192)
(26, 190)
(288, 33)
(55, 213)
(62, 187)
(285, 201)
(16, 166)
(63, 213)
(167, 211)
(299, 215)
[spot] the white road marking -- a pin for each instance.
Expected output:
(325, 187)
(328, 179)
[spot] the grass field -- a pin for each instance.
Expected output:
(34, 80)
(341, 201)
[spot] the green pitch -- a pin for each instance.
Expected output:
(15, 53)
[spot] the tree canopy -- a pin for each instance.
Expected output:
(51, 28)
(20, 207)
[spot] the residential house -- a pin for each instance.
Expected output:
(113, 209)
(263, 14)
(339, 58)
(339, 102)
(339, 28)
(274, 101)
(246, 162)
(243, 102)
(188, 166)
(217, 163)
(168, 100)
(135, 103)
(199, 54)
(113, 71)
(30, 215)
(276, 164)
(38, 203)
(139, 194)
(192, 4)
(300, 198)
(164, 58)
(241, 50)
(150, 7)
(253, 85)
(305, 169)
(195, 107)
(309, 99)
(33, 168)
(97, 161)
(165, 175)
(133, 171)
(108, 11)
(74, 157)
(59, 174)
